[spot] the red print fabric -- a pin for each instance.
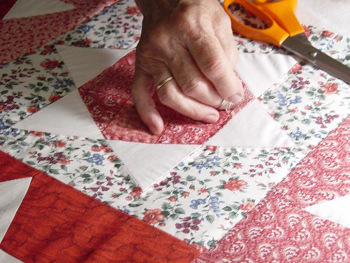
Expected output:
(108, 98)
(279, 230)
(28, 33)
(56, 223)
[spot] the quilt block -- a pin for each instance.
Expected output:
(238, 190)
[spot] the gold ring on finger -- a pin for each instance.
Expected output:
(162, 83)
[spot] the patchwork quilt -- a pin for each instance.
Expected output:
(83, 180)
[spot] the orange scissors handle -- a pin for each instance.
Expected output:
(279, 16)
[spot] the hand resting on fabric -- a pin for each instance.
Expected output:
(191, 41)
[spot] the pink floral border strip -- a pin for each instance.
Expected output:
(277, 229)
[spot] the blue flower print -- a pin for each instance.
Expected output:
(296, 100)
(281, 99)
(209, 162)
(297, 135)
(96, 159)
(109, 10)
(214, 205)
(62, 84)
(3, 125)
(196, 202)
(85, 28)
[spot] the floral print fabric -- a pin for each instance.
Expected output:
(24, 35)
(207, 194)
(117, 26)
(310, 103)
(31, 82)
(86, 164)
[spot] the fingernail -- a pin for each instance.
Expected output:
(211, 118)
(154, 131)
(227, 105)
(235, 98)
(156, 126)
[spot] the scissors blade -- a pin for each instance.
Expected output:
(300, 46)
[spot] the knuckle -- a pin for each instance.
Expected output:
(166, 95)
(193, 33)
(157, 44)
(214, 67)
(188, 20)
(182, 19)
(191, 88)
(197, 113)
(187, 26)
(185, 12)
(225, 20)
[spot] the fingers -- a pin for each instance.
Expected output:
(191, 81)
(195, 45)
(142, 91)
(215, 65)
(171, 95)
(223, 31)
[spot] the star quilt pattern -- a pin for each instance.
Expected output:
(103, 189)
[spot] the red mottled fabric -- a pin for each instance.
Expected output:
(5, 7)
(56, 223)
(108, 98)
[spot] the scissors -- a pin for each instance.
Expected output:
(284, 30)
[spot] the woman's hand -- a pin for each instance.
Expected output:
(192, 41)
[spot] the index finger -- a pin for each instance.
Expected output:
(142, 92)
(214, 63)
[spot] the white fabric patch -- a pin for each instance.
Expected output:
(260, 71)
(68, 116)
(11, 196)
(252, 127)
(336, 210)
(6, 258)
(27, 8)
(84, 64)
(149, 162)
(331, 14)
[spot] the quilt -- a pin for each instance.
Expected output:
(83, 180)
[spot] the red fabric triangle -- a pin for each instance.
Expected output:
(56, 223)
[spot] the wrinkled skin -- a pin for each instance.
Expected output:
(192, 41)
